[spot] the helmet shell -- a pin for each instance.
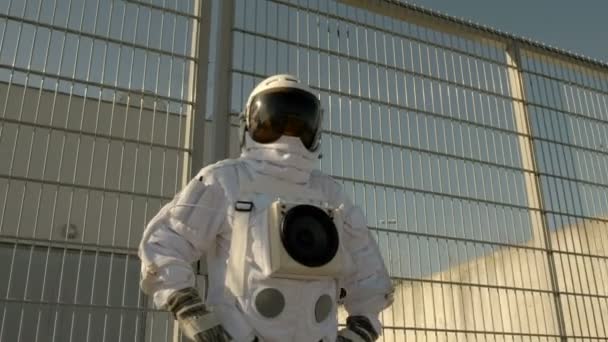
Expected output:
(275, 82)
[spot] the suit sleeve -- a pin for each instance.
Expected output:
(368, 287)
(178, 235)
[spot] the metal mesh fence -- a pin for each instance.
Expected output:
(568, 113)
(428, 130)
(96, 104)
(480, 161)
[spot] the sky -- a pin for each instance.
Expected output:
(579, 26)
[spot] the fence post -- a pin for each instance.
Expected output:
(196, 116)
(198, 88)
(540, 229)
(223, 81)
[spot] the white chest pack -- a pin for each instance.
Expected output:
(300, 233)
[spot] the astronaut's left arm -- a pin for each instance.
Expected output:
(177, 236)
(367, 288)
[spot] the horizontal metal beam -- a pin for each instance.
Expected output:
(497, 287)
(94, 135)
(486, 242)
(85, 187)
(14, 241)
(165, 9)
(104, 39)
(81, 305)
(436, 331)
(94, 84)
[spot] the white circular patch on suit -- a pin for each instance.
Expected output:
(323, 307)
(270, 302)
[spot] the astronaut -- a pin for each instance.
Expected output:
(284, 244)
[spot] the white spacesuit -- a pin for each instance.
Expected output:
(283, 242)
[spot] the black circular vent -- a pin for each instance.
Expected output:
(309, 235)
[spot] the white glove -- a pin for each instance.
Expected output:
(358, 329)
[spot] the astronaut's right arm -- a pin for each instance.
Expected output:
(175, 238)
